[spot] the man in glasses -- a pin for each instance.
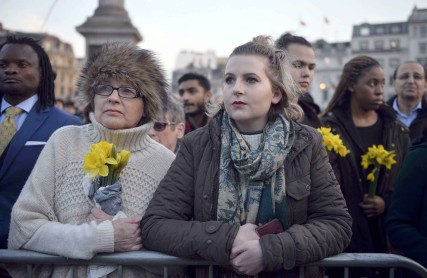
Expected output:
(410, 103)
(171, 130)
(195, 92)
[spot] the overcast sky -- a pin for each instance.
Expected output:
(169, 26)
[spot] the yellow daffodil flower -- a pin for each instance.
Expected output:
(333, 142)
(376, 156)
(102, 160)
(371, 177)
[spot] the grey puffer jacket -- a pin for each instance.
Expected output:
(181, 217)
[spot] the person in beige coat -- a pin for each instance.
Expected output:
(122, 87)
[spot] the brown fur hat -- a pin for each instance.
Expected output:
(138, 67)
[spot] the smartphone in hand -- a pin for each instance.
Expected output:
(272, 227)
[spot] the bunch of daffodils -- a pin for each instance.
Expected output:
(333, 141)
(103, 161)
(376, 156)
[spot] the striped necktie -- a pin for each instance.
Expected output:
(8, 127)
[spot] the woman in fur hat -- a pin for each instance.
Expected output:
(123, 88)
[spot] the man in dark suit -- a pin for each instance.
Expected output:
(26, 82)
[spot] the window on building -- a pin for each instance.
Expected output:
(415, 30)
(395, 44)
(364, 45)
(379, 30)
(379, 44)
(395, 29)
(423, 31)
(423, 48)
(393, 62)
(364, 31)
(62, 91)
(422, 61)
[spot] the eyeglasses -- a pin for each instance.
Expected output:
(124, 92)
(158, 126)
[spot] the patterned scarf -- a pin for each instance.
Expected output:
(260, 173)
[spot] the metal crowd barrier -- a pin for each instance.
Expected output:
(344, 260)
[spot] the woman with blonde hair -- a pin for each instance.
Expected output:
(253, 164)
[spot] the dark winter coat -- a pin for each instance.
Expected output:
(419, 125)
(406, 222)
(181, 218)
(395, 138)
(311, 111)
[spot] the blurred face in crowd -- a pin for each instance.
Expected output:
(19, 72)
(194, 96)
(368, 91)
(303, 64)
(248, 93)
(410, 82)
(167, 133)
(116, 112)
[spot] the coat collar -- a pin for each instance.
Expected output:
(301, 141)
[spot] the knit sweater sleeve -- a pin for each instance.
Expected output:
(34, 224)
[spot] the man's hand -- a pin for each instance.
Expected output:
(127, 234)
(372, 207)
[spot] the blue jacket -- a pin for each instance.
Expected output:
(21, 155)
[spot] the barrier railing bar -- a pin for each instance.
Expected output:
(165, 271)
(211, 271)
(344, 260)
(29, 270)
(120, 271)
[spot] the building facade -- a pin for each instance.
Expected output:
(330, 60)
(389, 43)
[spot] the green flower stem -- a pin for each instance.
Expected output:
(373, 185)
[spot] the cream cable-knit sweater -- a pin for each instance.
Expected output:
(50, 215)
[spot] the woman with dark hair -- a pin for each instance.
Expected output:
(357, 113)
(252, 164)
(122, 88)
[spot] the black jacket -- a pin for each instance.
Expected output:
(419, 125)
(311, 110)
(395, 137)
